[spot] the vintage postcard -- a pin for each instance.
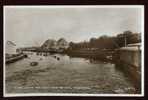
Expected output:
(74, 50)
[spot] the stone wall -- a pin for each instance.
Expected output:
(129, 60)
(130, 55)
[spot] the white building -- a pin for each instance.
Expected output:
(10, 48)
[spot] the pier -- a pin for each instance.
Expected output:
(15, 58)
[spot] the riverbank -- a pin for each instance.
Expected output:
(104, 55)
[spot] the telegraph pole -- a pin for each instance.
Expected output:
(125, 40)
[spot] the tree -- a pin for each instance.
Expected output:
(108, 42)
(92, 42)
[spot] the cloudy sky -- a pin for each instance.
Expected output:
(32, 26)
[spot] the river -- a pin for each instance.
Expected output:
(66, 75)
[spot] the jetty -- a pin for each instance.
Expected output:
(15, 57)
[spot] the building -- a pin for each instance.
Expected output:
(10, 47)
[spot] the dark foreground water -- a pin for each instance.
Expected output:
(67, 75)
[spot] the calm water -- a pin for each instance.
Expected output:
(67, 75)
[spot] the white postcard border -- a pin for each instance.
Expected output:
(74, 94)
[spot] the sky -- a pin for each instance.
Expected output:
(33, 26)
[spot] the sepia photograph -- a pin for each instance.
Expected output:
(73, 50)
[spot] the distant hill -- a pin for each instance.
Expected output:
(62, 43)
(50, 43)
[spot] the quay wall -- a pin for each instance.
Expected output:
(130, 57)
(129, 60)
